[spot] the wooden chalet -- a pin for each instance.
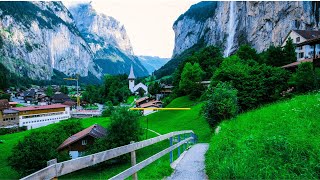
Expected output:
(8, 117)
(142, 100)
(59, 98)
(78, 143)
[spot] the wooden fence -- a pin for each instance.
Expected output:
(55, 169)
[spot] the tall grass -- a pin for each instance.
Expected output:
(278, 141)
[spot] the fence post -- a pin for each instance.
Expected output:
(171, 153)
(133, 162)
(179, 146)
(51, 162)
(184, 144)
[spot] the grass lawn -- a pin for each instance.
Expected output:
(278, 141)
(12, 139)
(162, 122)
(130, 99)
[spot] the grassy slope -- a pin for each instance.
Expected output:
(279, 141)
(162, 122)
(12, 139)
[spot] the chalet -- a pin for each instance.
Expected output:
(301, 36)
(142, 100)
(59, 98)
(78, 143)
(38, 116)
(135, 89)
(8, 117)
(29, 96)
(71, 104)
(150, 104)
(43, 100)
(307, 48)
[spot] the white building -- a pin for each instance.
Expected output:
(300, 36)
(38, 116)
(135, 88)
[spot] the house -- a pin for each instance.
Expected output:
(43, 100)
(301, 36)
(142, 100)
(78, 143)
(29, 96)
(59, 98)
(71, 104)
(38, 116)
(150, 104)
(136, 88)
(8, 117)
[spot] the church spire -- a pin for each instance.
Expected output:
(131, 75)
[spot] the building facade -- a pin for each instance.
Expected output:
(300, 36)
(38, 116)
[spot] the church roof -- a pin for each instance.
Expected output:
(131, 75)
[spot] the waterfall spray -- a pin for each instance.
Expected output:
(232, 25)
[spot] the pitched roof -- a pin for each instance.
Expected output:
(151, 104)
(4, 104)
(297, 63)
(95, 131)
(142, 99)
(308, 34)
(30, 93)
(131, 75)
(60, 96)
(33, 108)
(69, 103)
(140, 85)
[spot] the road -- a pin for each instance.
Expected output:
(191, 166)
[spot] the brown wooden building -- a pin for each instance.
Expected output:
(8, 117)
(79, 142)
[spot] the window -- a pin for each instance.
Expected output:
(301, 55)
(298, 39)
(84, 142)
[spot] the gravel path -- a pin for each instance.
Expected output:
(191, 166)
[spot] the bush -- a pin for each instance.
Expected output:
(190, 80)
(256, 84)
(123, 129)
(33, 152)
(108, 109)
(305, 79)
(222, 103)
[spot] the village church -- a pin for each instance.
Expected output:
(136, 88)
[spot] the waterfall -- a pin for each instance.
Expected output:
(232, 25)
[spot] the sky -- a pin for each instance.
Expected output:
(148, 22)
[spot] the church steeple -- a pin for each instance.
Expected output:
(131, 75)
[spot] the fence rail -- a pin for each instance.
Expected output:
(62, 168)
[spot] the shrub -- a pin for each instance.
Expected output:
(256, 84)
(222, 103)
(190, 80)
(305, 78)
(123, 129)
(108, 109)
(33, 152)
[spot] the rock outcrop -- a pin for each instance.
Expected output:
(37, 37)
(230, 24)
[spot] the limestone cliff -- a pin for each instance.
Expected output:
(230, 24)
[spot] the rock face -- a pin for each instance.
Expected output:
(37, 37)
(108, 41)
(230, 24)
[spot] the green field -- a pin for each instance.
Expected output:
(10, 140)
(161, 122)
(278, 141)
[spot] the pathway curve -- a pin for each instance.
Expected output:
(191, 166)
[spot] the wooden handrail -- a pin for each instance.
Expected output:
(65, 167)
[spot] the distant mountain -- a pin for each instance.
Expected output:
(152, 63)
(108, 41)
(46, 40)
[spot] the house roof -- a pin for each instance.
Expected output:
(131, 75)
(60, 96)
(10, 111)
(95, 131)
(297, 63)
(30, 93)
(308, 34)
(142, 99)
(140, 85)
(33, 108)
(312, 41)
(4, 104)
(151, 104)
(69, 103)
